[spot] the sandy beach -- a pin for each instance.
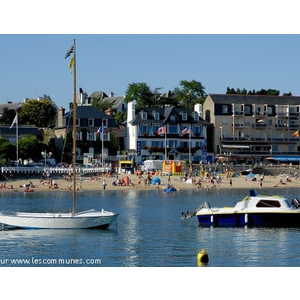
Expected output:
(138, 182)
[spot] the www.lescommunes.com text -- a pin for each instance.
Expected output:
(50, 261)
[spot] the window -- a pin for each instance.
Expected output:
(196, 117)
(157, 143)
(173, 129)
(144, 130)
(90, 136)
(144, 116)
(77, 122)
(91, 122)
(268, 203)
(172, 118)
(104, 121)
(224, 109)
(173, 143)
(224, 121)
(78, 136)
(184, 117)
(247, 109)
(197, 130)
(156, 116)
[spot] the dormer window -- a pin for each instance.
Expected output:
(91, 122)
(156, 116)
(172, 118)
(144, 116)
(196, 117)
(184, 117)
(224, 109)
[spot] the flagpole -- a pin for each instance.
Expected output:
(165, 142)
(102, 144)
(17, 139)
(190, 145)
(74, 130)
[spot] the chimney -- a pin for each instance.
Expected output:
(111, 94)
(60, 117)
(198, 108)
(109, 111)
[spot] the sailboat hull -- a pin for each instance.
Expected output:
(83, 220)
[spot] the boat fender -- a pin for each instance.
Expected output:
(295, 202)
(202, 257)
(211, 219)
(246, 219)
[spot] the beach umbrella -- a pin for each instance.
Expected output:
(221, 158)
(251, 175)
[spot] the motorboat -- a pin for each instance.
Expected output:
(254, 211)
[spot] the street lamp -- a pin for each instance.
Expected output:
(46, 155)
(228, 154)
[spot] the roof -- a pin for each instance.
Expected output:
(116, 101)
(98, 95)
(254, 99)
(9, 105)
(88, 112)
(165, 116)
(22, 130)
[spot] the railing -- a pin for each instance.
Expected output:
(246, 139)
(53, 170)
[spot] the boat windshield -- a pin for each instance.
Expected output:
(268, 203)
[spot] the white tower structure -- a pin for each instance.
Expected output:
(132, 130)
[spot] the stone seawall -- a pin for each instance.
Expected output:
(276, 171)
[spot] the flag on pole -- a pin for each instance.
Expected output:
(186, 131)
(161, 130)
(70, 51)
(99, 130)
(71, 64)
(295, 134)
(15, 121)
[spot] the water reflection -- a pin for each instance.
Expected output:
(150, 232)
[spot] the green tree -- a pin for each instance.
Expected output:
(7, 150)
(269, 92)
(287, 94)
(141, 93)
(102, 105)
(41, 113)
(30, 147)
(120, 117)
(190, 93)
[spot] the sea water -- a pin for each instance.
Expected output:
(149, 232)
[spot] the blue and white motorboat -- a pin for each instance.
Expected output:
(253, 211)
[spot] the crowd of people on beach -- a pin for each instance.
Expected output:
(205, 181)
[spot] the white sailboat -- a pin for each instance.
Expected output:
(73, 220)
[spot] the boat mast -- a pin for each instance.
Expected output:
(74, 131)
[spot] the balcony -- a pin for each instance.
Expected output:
(157, 149)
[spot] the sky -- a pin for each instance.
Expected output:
(219, 44)
(33, 64)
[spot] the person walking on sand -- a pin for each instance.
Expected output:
(230, 182)
(104, 184)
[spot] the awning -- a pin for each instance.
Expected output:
(236, 146)
(286, 158)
